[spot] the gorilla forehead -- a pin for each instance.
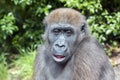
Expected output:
(64, 15)
(62, 25)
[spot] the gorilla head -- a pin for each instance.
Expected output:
(64, 32)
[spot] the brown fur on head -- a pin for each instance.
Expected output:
(64, 15)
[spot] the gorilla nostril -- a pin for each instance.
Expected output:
(62, 46)
(56, 45)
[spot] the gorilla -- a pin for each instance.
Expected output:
(70, 52)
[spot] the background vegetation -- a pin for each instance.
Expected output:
(21, 28)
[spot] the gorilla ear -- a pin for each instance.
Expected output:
(83, 26)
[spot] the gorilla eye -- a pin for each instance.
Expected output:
(68, 32)
(56, 31)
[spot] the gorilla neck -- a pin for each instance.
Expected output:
(56, 69)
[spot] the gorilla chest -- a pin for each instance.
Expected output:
(56, 74)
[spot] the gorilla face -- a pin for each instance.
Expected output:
(62, 38)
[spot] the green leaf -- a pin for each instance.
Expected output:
(108, 32)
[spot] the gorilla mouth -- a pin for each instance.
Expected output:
(58, 58)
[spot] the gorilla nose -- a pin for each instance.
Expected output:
(60, 45)
(60, 48)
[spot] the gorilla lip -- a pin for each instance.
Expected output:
(58, 58)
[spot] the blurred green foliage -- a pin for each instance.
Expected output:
(3, 67)
(21, 26)
(21, 21)
(23, 67)
(89, 6)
